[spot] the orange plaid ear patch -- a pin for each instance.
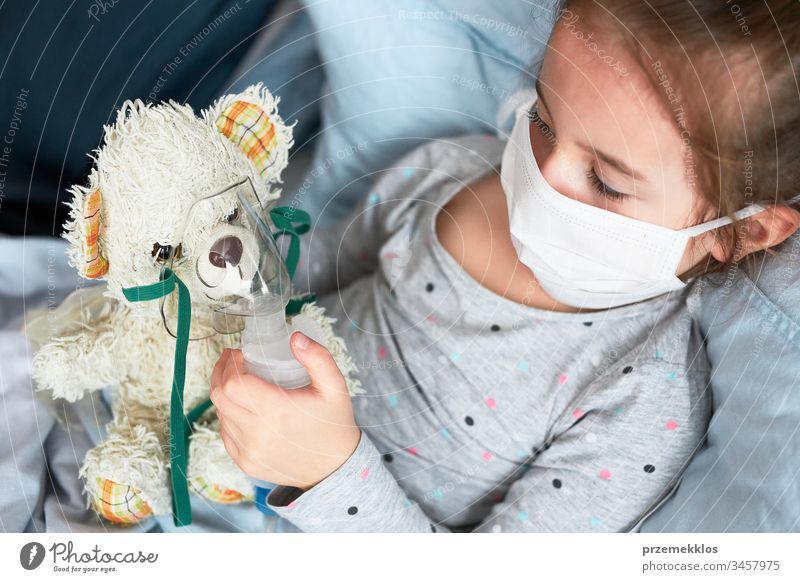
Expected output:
(96, 265)
(251, 130)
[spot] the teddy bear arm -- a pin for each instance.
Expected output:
(72, 365)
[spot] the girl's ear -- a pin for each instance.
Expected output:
(84, 230)
(768, 228)
(251, 122)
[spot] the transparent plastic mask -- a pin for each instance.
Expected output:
(233, 267)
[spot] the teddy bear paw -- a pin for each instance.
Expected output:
(217, 494)
(119, 503)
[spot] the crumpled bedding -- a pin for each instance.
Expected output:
(40, 455)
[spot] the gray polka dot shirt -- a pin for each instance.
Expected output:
(482, 414)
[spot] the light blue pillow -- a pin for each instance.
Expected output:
(398, 74)
(746, 478)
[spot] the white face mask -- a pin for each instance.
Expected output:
(582, 255)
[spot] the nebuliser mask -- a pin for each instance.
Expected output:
(238, 269)
(581, 255)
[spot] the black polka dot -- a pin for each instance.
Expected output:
(557, 483)
(495, 327)
(469, 421)
(627, 369)
(429, 287)
(536, 451)
(388, 457)
(649, 468)
(433, 528)
(587, 323)
(352, 510)
(546, 446)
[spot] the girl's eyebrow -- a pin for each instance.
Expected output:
(612, 161)
(616, 163)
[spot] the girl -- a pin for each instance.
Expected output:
(519, 307)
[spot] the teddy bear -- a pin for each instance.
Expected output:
(126, 229)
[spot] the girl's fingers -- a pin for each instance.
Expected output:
(232, 430)
(216, 374)
(230, 445)
(231, 409)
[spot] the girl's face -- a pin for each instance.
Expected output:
(600, 136)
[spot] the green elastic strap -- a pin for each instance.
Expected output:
(180, 426)
(283, 217)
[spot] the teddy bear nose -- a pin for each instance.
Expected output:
(227, 251)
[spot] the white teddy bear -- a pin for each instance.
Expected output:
(125, 227)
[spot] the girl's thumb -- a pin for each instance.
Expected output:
(318, 362)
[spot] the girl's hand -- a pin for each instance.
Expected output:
(293, 437)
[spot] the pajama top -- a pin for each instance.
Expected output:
(482, 414)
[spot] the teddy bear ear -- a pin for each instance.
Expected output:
(83, 230)
(251, 122)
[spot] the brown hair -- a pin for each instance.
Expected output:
(726, 73)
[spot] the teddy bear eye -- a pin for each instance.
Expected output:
(162, 253)
(233, 216)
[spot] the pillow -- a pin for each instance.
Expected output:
(398, 74)
(68, 66)
(746, 477)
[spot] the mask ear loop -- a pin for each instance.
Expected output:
(699, 229)
(746, 212)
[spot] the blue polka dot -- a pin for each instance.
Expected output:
(354, 323)
(595, 521)
(672, 376)
(408, 502)
(522, 366)
(618, 410)
(658, 354)
(445, 433)
(373, 198)
(392, 400)
(455, 356)
(437, 493)
(521, 453)
(409, 172)
(523, 516)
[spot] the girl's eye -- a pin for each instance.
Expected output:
(535, 118)
(602, 189)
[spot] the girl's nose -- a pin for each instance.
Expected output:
(560, 171)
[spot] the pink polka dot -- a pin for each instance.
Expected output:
(381, 352)
(364, 473)
(389, 256)
(490, 402)
(412, 450)
(292, 505)
(486, 456)
(562, 379)
(671, 425)
(605, 474)
(577, 413)
(431, 318)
